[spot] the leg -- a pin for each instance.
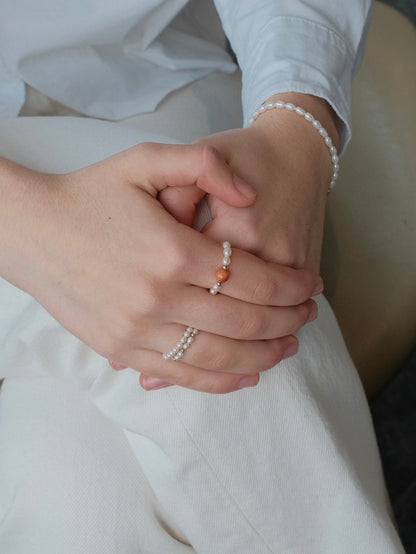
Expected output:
(69, 481)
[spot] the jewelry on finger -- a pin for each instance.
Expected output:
(223, 273)
(185, 342)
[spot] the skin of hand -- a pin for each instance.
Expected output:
(98, 250)
(286, 161)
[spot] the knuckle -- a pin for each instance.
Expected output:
(150, 302)
(272, 357)
(220, 360)
(177, 259)
(252, 326)
(220, 384)
(265, 290)
(302, 315)
(209, 155)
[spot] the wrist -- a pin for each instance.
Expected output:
(307, 125)
(25, 201)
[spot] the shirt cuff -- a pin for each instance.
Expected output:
(299, 55)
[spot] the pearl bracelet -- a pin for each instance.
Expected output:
(318, 126)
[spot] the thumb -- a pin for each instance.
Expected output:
(177, 165)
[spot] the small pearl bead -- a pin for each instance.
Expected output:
(335, 159)
(323, 132)
(195, 331)
(333, 150)
(269, 106)
(289, 106)
(190, 341)
(328, 141)
(300, 111)
(336, 167)
(279, 104)
(316, 124)
(226, 244)
(226, 261)
(262, 109)
(309, 117)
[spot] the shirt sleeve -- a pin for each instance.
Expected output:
(308, 46)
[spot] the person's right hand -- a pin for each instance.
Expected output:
(102, 255)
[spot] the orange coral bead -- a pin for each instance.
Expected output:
(222, 275)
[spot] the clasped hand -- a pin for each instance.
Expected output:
(115, 268)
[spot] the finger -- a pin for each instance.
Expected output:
(181, 202)
(228, 317)
(218, 353)
(152, 366)
(173, 165)
(251, 279)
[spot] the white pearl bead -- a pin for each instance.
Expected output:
(269, 106)
(190, 341)
(226, 244)
(335, 159)
(279, 104)
(300, 111)
(316, 124)
(328, 141)
(262, 109)
(309, 117)
(289, 106)
(195, 331)
(333, 150)
(336, 167)
(323, 132)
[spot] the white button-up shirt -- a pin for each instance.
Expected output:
(113, 59)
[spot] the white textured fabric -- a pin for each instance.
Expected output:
(115, 59)
(290, 466)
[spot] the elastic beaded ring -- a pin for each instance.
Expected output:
(185, 342)
(314, 122)
(223, 273)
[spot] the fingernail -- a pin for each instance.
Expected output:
(245, 189)
(115, 366)
(249, 381)
(313, 313)
(152, 383)
(318, 288)
(291, 350)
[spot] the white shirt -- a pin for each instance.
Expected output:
(113, 59)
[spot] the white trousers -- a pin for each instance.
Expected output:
(92, 464)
